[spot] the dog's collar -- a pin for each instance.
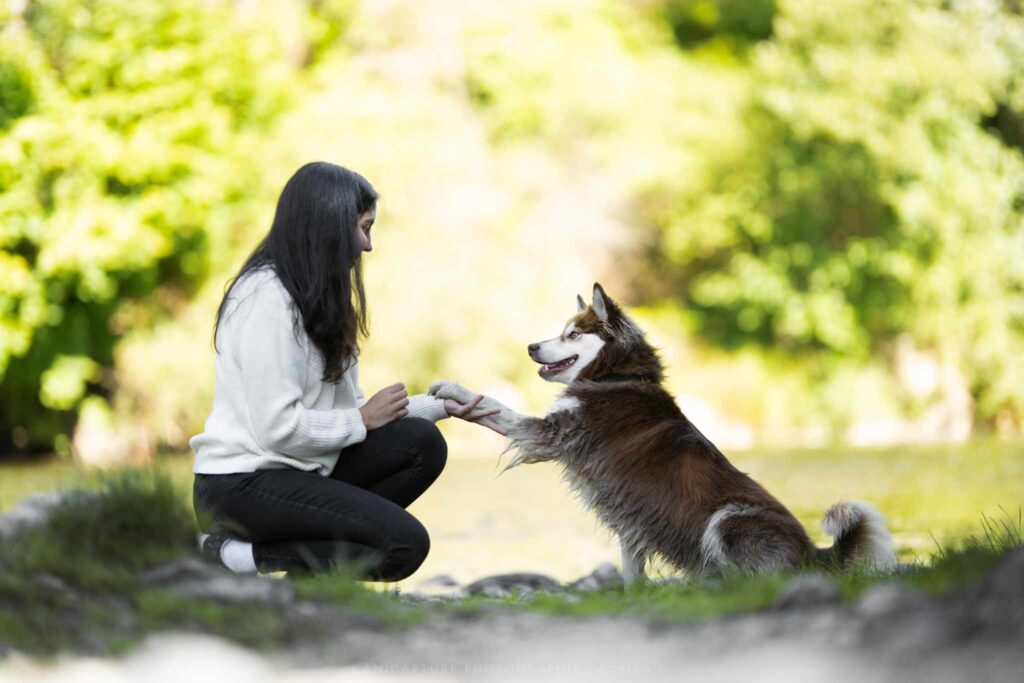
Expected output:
(617, 377)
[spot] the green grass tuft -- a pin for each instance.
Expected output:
(136, 520)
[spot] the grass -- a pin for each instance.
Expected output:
(480, 525)
(950, 567)
(73, 583)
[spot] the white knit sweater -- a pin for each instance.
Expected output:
(271, 408)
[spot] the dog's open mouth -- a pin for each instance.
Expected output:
(555, 368)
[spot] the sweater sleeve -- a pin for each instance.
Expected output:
(274, 368)
(427, 406)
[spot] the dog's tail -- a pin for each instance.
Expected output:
(859, 536)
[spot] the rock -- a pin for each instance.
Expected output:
(440, 586)
(1006, 580)
(35, 511)
(190, 577)
(501, 585)
(885, 599)
(120, 623)
(440, 581)
(521, 590)
(492, 590)
(808, 590)
(54, 584)
(606, 575)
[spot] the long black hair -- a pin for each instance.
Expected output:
(313, 249)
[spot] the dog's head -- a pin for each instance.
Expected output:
(599, 340)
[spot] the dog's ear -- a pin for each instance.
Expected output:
(581, 305)
(600, 302)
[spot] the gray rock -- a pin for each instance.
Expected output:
(493, 590)
(440, 586)
(886, 599)
(439, 581)
(1006, 581)
(35, 511)
(606, 575)
(54, 584)
(806, 591)
(192, 578)
(505, 583)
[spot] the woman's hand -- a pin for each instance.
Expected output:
(470, 413)
(387, 405)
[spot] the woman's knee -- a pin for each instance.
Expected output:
(409, 548)
(427, 440)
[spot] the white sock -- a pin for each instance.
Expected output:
(237, 556)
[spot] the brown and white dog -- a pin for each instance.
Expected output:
(649, 473)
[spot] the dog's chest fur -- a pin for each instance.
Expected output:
(616, 450)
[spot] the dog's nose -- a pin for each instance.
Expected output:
(532, 348)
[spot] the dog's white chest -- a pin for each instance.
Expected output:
(564, 402)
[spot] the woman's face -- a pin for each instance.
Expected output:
(363, 226)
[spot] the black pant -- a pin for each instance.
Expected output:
(303, 521)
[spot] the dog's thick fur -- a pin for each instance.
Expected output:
(650, 474)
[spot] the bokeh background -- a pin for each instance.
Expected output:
(816, 209)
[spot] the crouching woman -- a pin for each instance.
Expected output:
(295, 469)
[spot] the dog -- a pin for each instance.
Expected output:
(650, 475)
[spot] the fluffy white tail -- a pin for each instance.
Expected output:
(860, 535)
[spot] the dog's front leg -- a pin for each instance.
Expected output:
(633, 562)
(506, 419)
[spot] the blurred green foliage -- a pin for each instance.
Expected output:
(865, 197)
(807, 188)
(862, 183)
(126, 135)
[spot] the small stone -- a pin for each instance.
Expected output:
(54, 584)
(492, 590)
(809, 590)
(1006, 580)
(585, 584)
(606, 575)
(190, 577)
(885, 598)
(507, 581)
(439, 581)
(35, 511)
(441, 586)
(306, 609)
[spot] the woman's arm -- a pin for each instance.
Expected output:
(274, 368)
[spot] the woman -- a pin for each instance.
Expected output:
(296, 470)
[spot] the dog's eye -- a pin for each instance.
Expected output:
(574, 334)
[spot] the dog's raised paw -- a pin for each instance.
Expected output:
(452, 390)
(441, 389)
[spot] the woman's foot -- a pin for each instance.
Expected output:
(227, 552)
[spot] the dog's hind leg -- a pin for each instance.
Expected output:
(752, 540)
(633, 563)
